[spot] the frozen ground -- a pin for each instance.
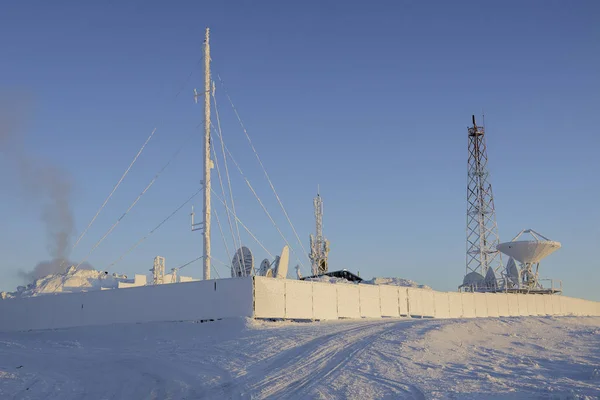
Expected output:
(513, 358)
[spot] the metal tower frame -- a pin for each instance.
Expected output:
(482, 229)
(319, 246)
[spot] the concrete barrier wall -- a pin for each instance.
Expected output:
(173, 302)
(324, 301)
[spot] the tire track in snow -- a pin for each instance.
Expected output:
(294, 372)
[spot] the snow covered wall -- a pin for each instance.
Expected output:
(262, 297)
(172, 302)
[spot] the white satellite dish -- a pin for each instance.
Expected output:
(264, 267)
(528, 252)
(512, 272)
(490, 279)
(242, 263)
(269, 273)
(473, 279)
(275, 266)
(283, 262)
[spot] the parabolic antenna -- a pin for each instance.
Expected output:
(512, 272)
(490, 279)
(264, 266)
(282, 265)
(275, 266)
(269, 273)
(242, 263)
(529, 251)
(473, 279)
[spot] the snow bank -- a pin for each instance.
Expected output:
(375, 281)
(396, 282)
(72, 281)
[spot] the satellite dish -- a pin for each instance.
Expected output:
(283, 262)
(242, 263)
(269, 273)
(275, 266)
(264, 266)
(529, 251)
(490, 279)
(512, 272)
(473, 279)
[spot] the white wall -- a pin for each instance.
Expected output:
(369, 303)
(262, 297)
(184, 301)
(390, 307)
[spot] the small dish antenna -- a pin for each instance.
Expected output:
(264, 267)
(242, 263)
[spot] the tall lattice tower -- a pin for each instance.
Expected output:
(319, 246)
(482, 230)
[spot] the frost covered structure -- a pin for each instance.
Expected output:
(261, 297)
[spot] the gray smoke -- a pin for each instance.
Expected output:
(41, 183)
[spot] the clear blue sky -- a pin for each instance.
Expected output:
(371, 100)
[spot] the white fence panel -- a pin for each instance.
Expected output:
(455, 304)
(389, 301)
(513, 305)
(556, 305)
(491, 300)
(531, 305)
(370, 306)
(480, 305)
(442, 305)
(503, 309)
(523, 305)
(403, 301)
(415, 302)
(348, 301)
(540, 304)
(428, 302)
(298, 299)
(269, 297)
(325, 302)
(468, 305)
(548, 305)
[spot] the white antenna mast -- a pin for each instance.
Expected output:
(208, 163)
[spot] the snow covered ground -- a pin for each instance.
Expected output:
(514, 358)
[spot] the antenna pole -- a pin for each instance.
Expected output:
(207, 161)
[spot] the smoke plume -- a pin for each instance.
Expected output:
(41, 183)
